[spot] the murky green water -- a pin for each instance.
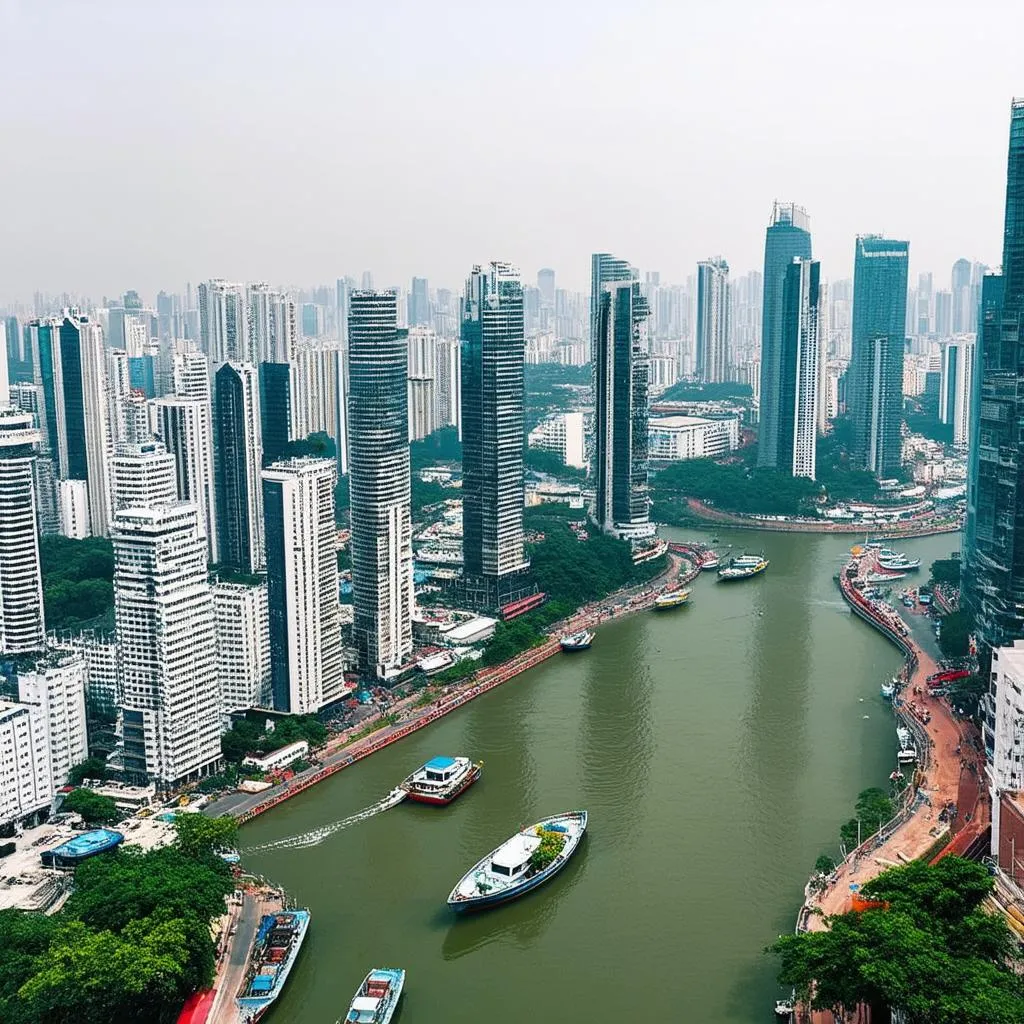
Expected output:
(717, 748)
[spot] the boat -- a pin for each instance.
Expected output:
(577, 641)
(709, 561)
(377, 998)
(888, 690)
(441, 780)
(742, 568)
(896, 561)
(274, 952)
(672, 597)
(528, 859)
(229, 856)
(907, 753)
(885, 577)
(784, 1008)
(81, 847)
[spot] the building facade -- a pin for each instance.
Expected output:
(243, 645)
(957, 386)
(800, 368)
(562, 433)
(26, 785)
(142, 474)
(674, 438)
(713, 309)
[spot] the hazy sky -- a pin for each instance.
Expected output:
(149, 143)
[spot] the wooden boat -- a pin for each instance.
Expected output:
(526, 860)
(377, 998)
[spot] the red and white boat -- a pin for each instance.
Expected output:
(441, 780)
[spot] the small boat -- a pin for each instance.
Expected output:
(441, 780)
(377, 998)
(784, 1008)
(577, 641)
(898, 563)
(529, 859)
(907, 756)
(229, 856)
(274, 952)
(742, 568)
(709, 561)
(885, 577)
(888, 690)
(672, 597)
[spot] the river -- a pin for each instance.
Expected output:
(717, 747)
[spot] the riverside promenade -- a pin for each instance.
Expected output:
(412, 713)
(949, 769)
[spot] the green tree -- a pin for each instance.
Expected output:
(954, 639)
(77, 579)
(825, 864)
(94, 808)
(946, 570)
(198, 836)
(932, 952)
(873, 810)
(90, 768)
(24, 939)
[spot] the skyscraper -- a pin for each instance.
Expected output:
(876, 368)
(492, 346)
(243, 645)
(964, 316)
(143, 474)
(620, 355)
(419, 303)
(713, 320)
(271, 324)
(993, 583)
(302, 585)
(238, 492)
(788, 237)
(167, 645)
(21, 588)
(379, 483)
(275, 409)
(223, 321)
(957, 386)
(800, 368)
(546, 286)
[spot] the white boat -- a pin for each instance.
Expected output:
(888, 690)
(529, 859)
(742, 567)
(377, 998)
(673, 597)
(784, 1009)
(709, 561)
(577, 641)
(886, 577)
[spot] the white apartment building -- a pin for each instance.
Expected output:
(102, 688)
(243, 645)
(1005, 722)
(21, 587)
(302, 584)
(26, 787)
(563, 434)
(167, 644)
(422, 407)
(224, 320)
(957, 383)
(73, 508)
(675, 438)
(809, 359)
(142, 474)
(118, 389)
(318, 395)
(55, 691)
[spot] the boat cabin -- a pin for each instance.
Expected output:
(364, 1010)
(513, 858)
(440, 769)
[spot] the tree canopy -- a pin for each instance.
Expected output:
(199, 836)
(954, 637)
(90, 768)
(946, 570)
(873, 810)
(932, 952)
(77, 580)
(250, 735)
(94, 808)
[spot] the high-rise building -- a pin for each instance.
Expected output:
(492, 346)
(379, 483)
(800, 368)
(73, 508)
(243, 645)
(713, 320)
(142, 474)
(26, 784)
(192, 376)
(302, 585)
(964, 316)
(275, 409)
(419, 303)
(788, 237)
(167, 645)
(546, 286)
(943, 314)
(924, 304)
(957, 385)
(239, 494)
(620, 353)
(22, 628)
(272, 325)
(183, 425)
(224, 321)
(317, 381)
(993, 572)
(118, 389)
(876, 367)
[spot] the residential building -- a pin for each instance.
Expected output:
(379, 483)
(713, 320)
(275, 409)
(563, 434)
(22, 628)
(875, 401)
(271, 324)
(788, 237)
(957, 386)
(302, 584)
(26, 784)
(620, 353)
(102, 686)
(964, 314)
(1003, 729)
(674, 438)
(243, 645)
(167, 645)
(419, 303)
(492, 342)
(143, 474)
(224, 322)
(318, 394)
(238, 491)
(73, 508)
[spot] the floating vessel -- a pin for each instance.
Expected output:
(888, 690)
(742, 568)
(377, 998)
(441, 780)
(886, 577)
(710, 561)
(672, 597)
(896, 561)
(529, 859)
(577, 641)
(784, 1009)
(274, 952)
(907, 752)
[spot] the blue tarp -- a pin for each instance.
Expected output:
(262, 983)
(555, 828)
(439, 764)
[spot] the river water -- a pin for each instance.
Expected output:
(717, 747)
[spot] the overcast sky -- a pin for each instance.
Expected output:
(149, 143)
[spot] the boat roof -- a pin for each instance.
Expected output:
(362, 1003)
(438, 764)
(515, 851)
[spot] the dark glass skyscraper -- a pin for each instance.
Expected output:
(788, 237)
(618, 329)
(492, 352)
(876, 367)
(275, 410)
(993, 584)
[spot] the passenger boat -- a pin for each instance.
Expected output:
(377, 998)
(896, 561)
(441, 780)
(529, 859)
(672, 597)
(907, 753)
(710, 561)
(886, 577)
(577, 641)
(274, 952)
(742, 568)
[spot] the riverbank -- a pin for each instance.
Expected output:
(947, 773)
(411, 713)
(705, 515)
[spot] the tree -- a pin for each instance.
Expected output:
(90, 768)
(873, 809)
(931, 952)
(198, 836)
(946, 570)
(954, 639)
(94, 808)
(825, 865)
(77, 579)
(24, 939)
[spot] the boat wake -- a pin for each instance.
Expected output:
(314, 837)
